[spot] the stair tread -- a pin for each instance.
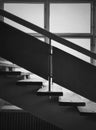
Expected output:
(8, 65)
(28, 80)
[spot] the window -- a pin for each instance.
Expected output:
(85, 43)
(70, 18)
(33, 13)
(64, 18)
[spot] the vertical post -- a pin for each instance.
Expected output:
(50, 65)
(48, 40)
(1, 7)
(46, 18)
(1, 17)
(93, 27)
(94, 32)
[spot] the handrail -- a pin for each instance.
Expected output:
(47, 34)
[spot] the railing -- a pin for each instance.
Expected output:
(46, 33)
(50, 36)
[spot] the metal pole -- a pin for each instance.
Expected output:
(50, 65)
(93, 27)
(1, 7)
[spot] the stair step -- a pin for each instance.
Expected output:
(72, 103)
(10, 73)
(24, 82)
(50, 93)
(9, 67)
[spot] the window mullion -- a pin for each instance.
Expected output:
(1, 7)
(93, 27)
(46, 18)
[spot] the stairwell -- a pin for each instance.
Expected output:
(21, 87)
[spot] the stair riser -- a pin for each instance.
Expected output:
(71, 104)
(49, 93)
(9, 73)
(29, 83)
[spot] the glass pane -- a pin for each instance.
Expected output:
(85, 43)
(33, 13)
(70, 18)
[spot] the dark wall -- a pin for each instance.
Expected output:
(32, 54)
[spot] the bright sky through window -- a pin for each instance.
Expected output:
(33, 13)
(70, 18)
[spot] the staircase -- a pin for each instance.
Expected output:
(31, 92)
